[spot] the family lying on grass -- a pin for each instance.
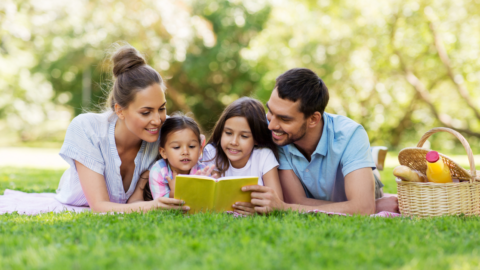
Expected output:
(306, 159)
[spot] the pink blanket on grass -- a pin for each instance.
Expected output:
(379, 214)
(37, 203)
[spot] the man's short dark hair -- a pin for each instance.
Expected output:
(303, 84)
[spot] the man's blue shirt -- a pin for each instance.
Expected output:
(343, 148)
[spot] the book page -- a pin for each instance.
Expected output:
(230, 191)
(197, 192)
(234, 177)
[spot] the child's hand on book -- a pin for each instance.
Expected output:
(207, 171)
(171, 183)
(264, 199)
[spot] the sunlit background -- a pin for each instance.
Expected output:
(397, 67)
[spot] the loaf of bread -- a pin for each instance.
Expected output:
(407, 174)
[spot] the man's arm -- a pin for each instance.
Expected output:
(294, 194)
(359, 188)
(293, 191)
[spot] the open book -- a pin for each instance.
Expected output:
(202, 193)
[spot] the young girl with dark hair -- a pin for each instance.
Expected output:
(241, 145)
(180, 149)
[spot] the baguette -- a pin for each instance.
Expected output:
(407, 174)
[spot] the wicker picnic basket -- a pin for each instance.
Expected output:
(427, 199)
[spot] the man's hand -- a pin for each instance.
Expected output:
(264, 199)
(244, 208)
(389, 204)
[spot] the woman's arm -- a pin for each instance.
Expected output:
(271, 179)
(95, 190)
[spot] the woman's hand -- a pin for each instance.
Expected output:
(169, 204)
(244, 208)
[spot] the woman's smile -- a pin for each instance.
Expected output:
(152, 130)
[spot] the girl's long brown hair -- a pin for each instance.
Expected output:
(254, 112)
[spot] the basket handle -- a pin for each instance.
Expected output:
(464, 142)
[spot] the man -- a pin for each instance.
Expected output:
(325, 159)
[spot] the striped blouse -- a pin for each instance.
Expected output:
(90, 140)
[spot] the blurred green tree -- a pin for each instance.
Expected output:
(214, 74)
(397, 67)
(53, 54)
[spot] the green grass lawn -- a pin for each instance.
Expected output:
(29, 180)
(170, 240)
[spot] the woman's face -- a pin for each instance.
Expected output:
(145, 115)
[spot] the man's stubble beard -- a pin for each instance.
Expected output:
(298, 136)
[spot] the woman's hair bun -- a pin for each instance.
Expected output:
(136, 75)
(126, 58)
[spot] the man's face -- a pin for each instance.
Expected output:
(287, 123)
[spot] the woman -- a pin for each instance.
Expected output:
(107, 152)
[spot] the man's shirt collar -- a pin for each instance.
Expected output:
(322, 145)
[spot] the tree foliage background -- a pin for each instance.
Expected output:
(397, 67)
